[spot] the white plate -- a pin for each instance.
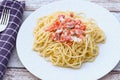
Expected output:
(109, 52)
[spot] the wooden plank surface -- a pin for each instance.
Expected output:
(111, 6)
(16, 71)
(23, 74)
(19, 74)
(114, 0)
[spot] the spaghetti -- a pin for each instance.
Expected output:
(67, 39)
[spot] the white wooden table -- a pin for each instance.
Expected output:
(16, 71)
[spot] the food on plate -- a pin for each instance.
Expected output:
(67, 39)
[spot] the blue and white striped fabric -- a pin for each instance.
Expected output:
(8, 36)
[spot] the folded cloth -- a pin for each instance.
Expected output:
(8, 36)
